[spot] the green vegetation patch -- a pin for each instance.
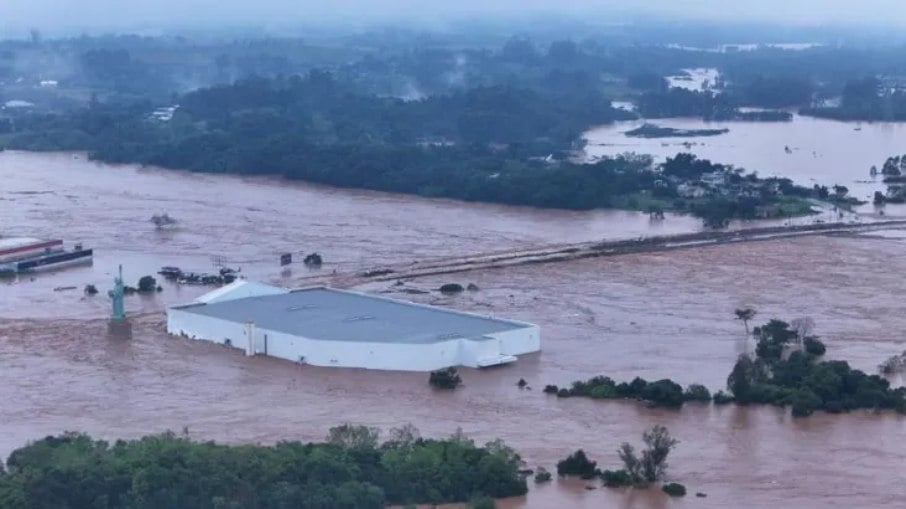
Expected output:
(350, 470)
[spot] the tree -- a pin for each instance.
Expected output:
(773, 337)
(482, 503)
(577, 464)
(147, 284)
(313, 260)
(741, 379)
(663, 393)
(405, 435)
(745, 314)
(652, 466)
(803, 327)
(353, 437)
(631, 463)
(658, 444)
(697, 392)
(445, 378)
(542, 475)
(814, 346)
(674, 489)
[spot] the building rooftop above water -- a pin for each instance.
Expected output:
(339, 315)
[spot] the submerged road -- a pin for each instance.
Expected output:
(580, 250)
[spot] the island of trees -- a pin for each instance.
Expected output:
(893, 172)
(656, 131)
(639, 470)
(350, 470)
(786, 370)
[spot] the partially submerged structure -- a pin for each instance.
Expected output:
(329, 327)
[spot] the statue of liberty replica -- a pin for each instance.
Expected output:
(119, 325)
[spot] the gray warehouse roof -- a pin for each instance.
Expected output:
(338, 315)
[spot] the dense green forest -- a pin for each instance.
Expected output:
(318, 110)
(474, 115)
(621, 62)
(866, 99)
(351, 470)
(496, 144)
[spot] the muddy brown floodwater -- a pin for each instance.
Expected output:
(653, 315)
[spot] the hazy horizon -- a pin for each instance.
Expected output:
(61, 16)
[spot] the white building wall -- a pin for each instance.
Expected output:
(356, 354)
(519, 341)
(215, 330)
(474, 350)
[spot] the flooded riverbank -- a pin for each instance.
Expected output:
(824, 152)
(655, 315)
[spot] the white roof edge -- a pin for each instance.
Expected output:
(239, 289)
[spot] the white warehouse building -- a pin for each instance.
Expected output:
(329, 327)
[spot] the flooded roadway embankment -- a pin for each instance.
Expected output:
(578, 251)
(658, 314)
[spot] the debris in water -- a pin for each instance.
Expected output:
(313, 260)
(451, 288)
(161, 220)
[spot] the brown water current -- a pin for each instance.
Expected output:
(655, 315)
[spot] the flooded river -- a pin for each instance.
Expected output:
(653, 315)
(824, 152)
(250, 222)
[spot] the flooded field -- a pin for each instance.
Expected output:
(653, 315)
(824, 152)
(695, 79)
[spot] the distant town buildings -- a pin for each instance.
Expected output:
(18, 104)
(164, 114)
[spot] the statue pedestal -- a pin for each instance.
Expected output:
(119, 329)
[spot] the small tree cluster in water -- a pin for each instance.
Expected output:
(802, 381)
(665, 393)
(445, 379)
(641, 470)
(351, 470)
(785, 371)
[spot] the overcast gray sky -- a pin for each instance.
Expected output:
(51, 15)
